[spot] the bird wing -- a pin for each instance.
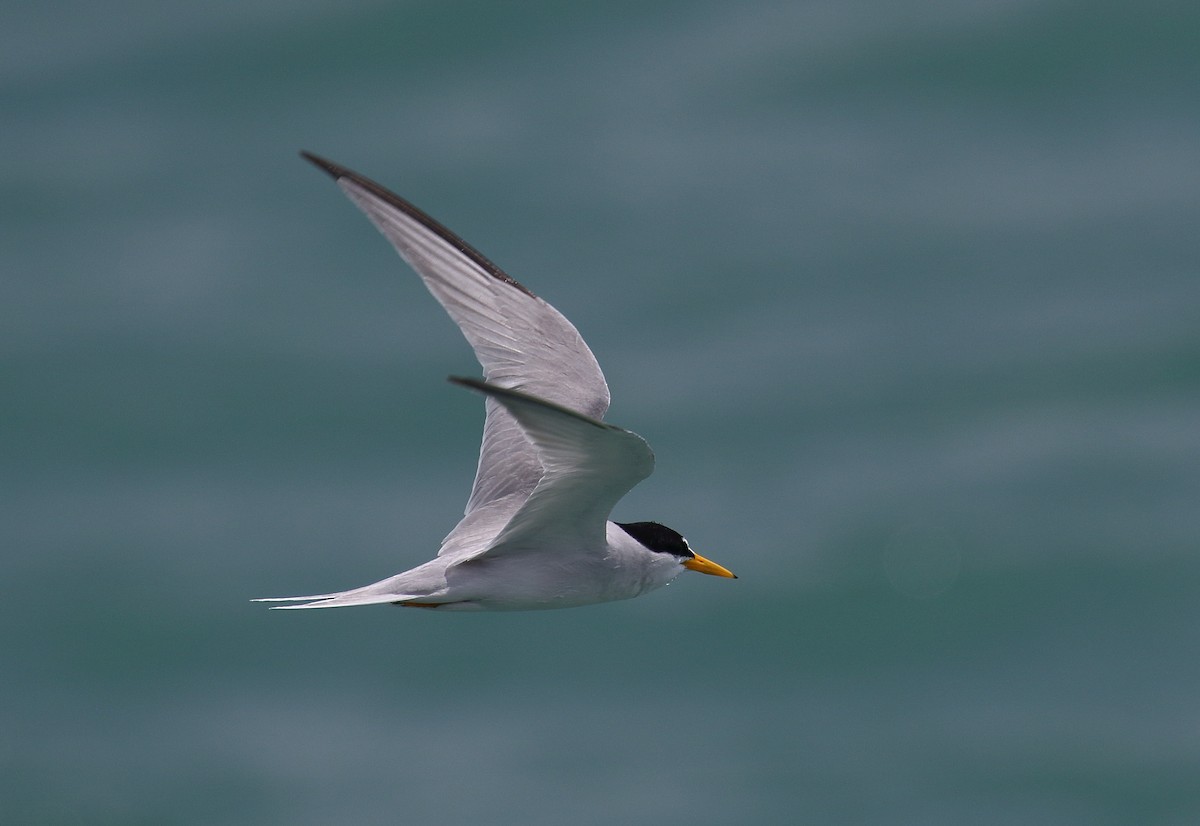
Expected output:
(588, 466)
(521, 342)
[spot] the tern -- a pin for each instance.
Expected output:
(536, 532)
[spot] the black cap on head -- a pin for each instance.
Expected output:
(658, 538)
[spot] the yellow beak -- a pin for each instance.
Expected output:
(705, 566)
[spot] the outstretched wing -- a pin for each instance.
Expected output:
(521, 341)
(588, 466)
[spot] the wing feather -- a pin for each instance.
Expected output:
(521, 341)
(588, 466)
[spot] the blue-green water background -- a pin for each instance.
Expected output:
(905, 296)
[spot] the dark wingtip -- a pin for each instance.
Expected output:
(474, 384)
(508, 396)
(338, 172)
(334, 170)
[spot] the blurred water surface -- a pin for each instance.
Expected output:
(904, 295)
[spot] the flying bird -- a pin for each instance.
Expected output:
(536, 532)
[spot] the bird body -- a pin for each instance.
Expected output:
(544, 578)
(535, 533)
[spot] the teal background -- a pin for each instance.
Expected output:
(904, 295)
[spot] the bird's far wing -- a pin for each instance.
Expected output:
(521, 341)
(589, 465)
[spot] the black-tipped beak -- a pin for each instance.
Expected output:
(706, 566)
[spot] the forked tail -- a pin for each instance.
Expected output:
(341, 599)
